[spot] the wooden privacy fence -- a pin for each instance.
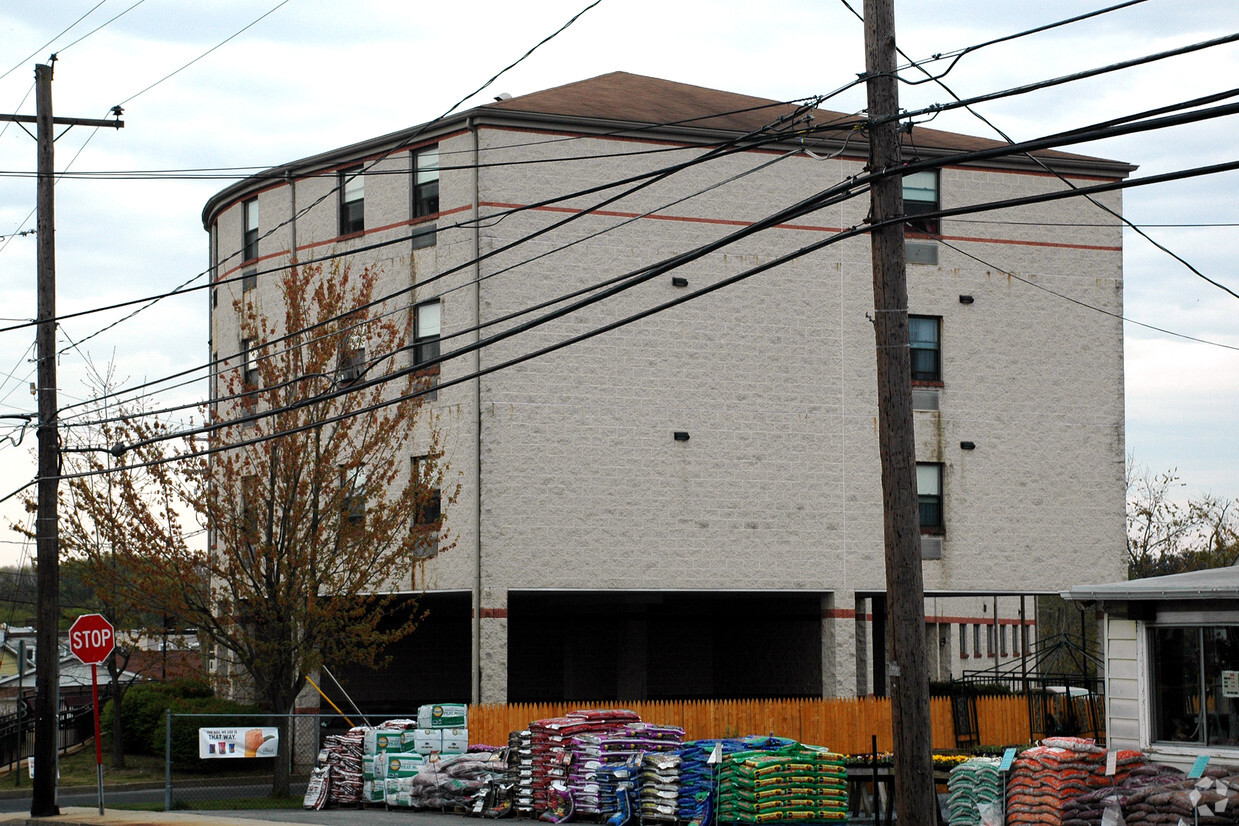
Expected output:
(842, 724)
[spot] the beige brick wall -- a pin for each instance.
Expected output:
(582, 485)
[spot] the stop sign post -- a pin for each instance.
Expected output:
(91, 640)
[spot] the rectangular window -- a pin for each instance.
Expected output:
(427, 511)
(924, 337)
(1194, 669)
(1002, 640)
(426, 181)
(976, 640)
(963, 639)
(989, 640)
(425, 194)
(249, 245)
(929, 496)
(249, 361)
(920, 195)
(351, 364)
(426, 334)
(353, 502)
(352, 201)
(247, 511)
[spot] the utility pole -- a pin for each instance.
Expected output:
(915, 800)
(47, 535)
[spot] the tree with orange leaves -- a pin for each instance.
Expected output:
(318, 477)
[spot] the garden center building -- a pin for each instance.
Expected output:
(688, 504)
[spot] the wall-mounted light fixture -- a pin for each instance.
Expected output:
(968, 445)
(678, 281)
(681, 435)
(966, 299)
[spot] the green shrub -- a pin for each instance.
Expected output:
(145, 707)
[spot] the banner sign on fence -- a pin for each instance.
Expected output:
(237, 742)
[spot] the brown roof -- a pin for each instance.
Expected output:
(625, 97)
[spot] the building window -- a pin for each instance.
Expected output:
(929, 496)
(351, 364)
(249, 244)
(425, 194)
(426, 334)
(352, 201)
(920, 195)
(1002, 640)
(427, 509)
(249, 361)
(251, 495)
(990, 642)
(924, 337)
(353, 502)
(976, 640)
(1195, 669)
(963, 639)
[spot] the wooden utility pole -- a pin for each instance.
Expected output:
(915, 800)
(47, 535)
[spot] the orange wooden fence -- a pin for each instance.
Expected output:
(842, 724)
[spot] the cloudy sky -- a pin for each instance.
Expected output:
(315, 74)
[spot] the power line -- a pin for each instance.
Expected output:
(1085, 133)
(640, 276)
(639, 181)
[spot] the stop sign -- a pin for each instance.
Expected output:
(91, 638)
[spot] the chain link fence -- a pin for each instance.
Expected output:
(231, 758)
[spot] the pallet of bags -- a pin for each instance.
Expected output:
(659, 785)
(1045, 778)
(792, 783)
(344, 754)
(1211, 800)
(971, 785)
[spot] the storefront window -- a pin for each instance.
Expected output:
(1196, 685)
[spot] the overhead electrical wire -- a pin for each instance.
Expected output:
(405, 307)
(1199, 101)
(638, 181)
(598, 330)
(644, 274)
(1078, 135)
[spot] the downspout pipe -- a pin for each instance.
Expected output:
(477, 405)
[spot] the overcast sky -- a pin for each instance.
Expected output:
(317, 74)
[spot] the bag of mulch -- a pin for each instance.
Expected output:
(318, 789)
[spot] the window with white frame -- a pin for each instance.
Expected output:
(249, 361)
(249, 242)
(929, 496)
(352, 188)
(963, 639)
(425, 194)
(1196, 671)
(925, 340)
(920, 196)
(426, 330)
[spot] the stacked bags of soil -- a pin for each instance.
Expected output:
(660, 786)
(1212, 800)
(343, 754)
(796, 783)
(550, 740)
(591, 752)
(448, 783)
(698, 778)
(973, 784)
(1044, 779)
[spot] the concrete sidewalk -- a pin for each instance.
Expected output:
(83, 816)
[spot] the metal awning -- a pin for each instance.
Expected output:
(1215, 583)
